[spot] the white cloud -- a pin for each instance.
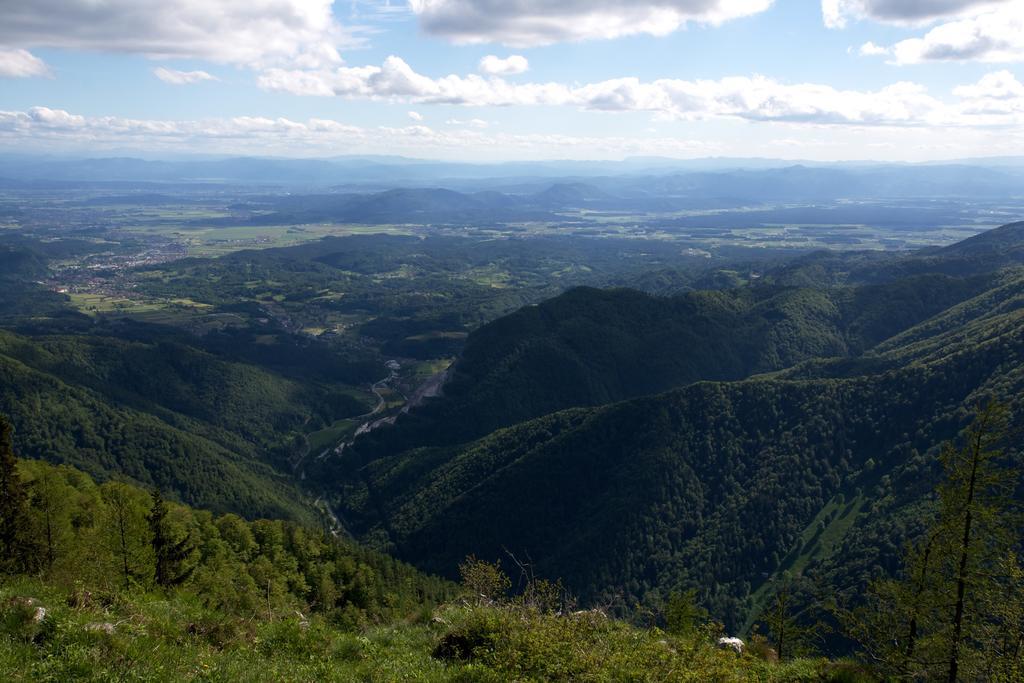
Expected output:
(396, 81)
(989, 31)
(763, 99)
(997, 95)
(525, 23)
(472, 123)
(496, 66)
(302, 33)
(751, 98)
(182, 77)
(999, 85)
(415, 116)
(996, 36)
(21, 64)
(45, 118)
(836, 13)
(56, 130)
(869, 49)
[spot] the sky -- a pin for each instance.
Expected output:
(494, 80)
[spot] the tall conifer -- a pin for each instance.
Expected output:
(956, 612)
(172, 555)
(15, 550)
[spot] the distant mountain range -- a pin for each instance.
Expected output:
(637, 177)
(817, 192)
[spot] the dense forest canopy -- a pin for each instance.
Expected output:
(753, 435)
(814, 462)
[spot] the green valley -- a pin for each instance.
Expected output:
(484, 341)
(639, 426)
(719, 486)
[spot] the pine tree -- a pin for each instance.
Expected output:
(896, 627)
(791, 637)
(15, 548)
(126, 531)
(172, 555)
(1003, 630)
(977, 522)
(682, 613)
(50, 502)
(956, 611)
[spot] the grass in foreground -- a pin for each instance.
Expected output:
(153, 637)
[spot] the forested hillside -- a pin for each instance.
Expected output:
(101, 582)
(165, 414)
(116, 536)
(778, 426)
(983, 253)
(819, 471)
(214, 377)
(512, 341)
(591, 347)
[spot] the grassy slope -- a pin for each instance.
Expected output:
(165, 638)
(332, 611)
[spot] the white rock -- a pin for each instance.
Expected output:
(734, 644)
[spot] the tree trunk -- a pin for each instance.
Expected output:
(124, 550)
(49, 539)
(918, 590)
(961, 578)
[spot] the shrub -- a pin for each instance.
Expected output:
(485, 581)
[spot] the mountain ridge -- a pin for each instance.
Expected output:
(711, 485)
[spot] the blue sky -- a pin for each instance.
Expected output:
(843, 79)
